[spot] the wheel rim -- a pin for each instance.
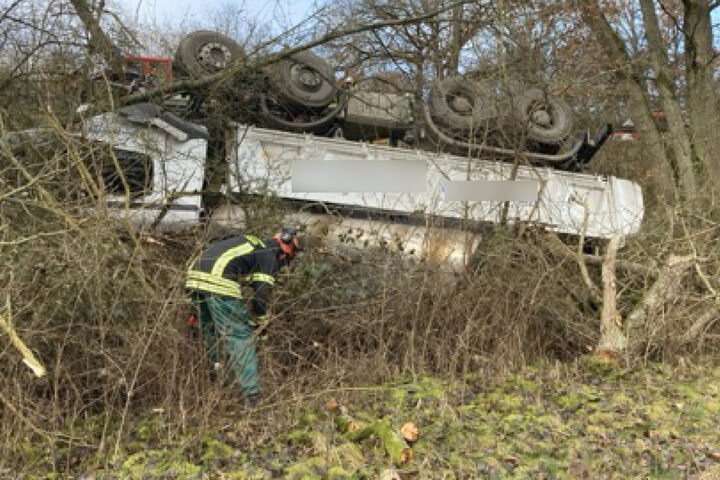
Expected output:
(305, 78)
(460, 104)
(541, 115)
(214, 56)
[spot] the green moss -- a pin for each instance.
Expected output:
(339, 473)
(427, 388)
(568, 422)
(697, 411)
(308, 418)
(216, 452)
(505, 402)
(310, 469)
(157, 464)
(399, 396)
(300, 436)
(569, 400)
(349, 455)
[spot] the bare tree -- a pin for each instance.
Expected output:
(684, 85)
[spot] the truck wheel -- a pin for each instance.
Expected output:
(461, 104)
(547, 119)
(303, 81)
(204, 52)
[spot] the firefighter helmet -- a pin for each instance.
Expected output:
(287, 239)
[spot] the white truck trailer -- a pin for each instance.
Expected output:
(168, 160)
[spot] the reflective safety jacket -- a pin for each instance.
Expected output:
(231, 260)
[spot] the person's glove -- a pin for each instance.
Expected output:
(193, 325)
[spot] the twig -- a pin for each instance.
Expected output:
(136, 374)
(594, 290)
(28, 357)
(699, 270)
(560, 248)
(33, 237)
(47, 197)
(668, 279)
(23, 419)
(700, 325)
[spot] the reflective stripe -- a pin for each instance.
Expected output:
(255, 241)
(261, 277)
(209, 278)
(214, 282)
(198, 280)
(221, 262)
(212, 288)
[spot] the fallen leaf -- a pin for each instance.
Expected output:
(410, 432)
(406, 456)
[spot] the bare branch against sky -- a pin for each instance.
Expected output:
(277, 14)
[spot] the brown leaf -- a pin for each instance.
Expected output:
(332, 404)
(406, 455)
(410, 432)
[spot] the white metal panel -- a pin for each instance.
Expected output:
(178, 171)
(260, 163)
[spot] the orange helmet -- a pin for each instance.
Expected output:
(287, 239)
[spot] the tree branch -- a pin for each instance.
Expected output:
(241, 65)
(98, 38)
(9, 9)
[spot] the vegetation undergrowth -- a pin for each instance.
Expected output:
(588, 419)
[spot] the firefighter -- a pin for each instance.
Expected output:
(214, 283)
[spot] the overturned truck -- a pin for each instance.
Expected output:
(164, 162)
(159, 163)
(461, 115)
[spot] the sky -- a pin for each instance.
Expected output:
(278, 14)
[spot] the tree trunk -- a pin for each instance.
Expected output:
(612, 339)
(702, 98)
(701, 324)
(394, 443)
(99, 41)
(639, 105)
(664, 81)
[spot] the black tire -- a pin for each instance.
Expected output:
(302, 81)
(318, 126)
(547, 119)
(461, 104)
(204, 52)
